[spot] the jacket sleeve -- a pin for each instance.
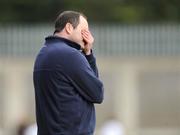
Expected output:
(92, 62)
(84, 77)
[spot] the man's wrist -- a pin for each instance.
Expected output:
(88, 52)
(90, 57)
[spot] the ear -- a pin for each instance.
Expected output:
(69, 28)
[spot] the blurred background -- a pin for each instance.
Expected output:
(138, 55)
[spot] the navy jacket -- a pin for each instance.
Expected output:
(66, 88)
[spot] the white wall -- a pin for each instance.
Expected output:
(126, 82)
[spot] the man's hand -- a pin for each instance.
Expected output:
(88, 41)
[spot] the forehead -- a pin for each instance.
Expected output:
(83, 22)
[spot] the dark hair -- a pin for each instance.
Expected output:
(65, 17)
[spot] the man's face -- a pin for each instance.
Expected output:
(76, 34)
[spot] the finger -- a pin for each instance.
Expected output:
(85, 33)
(86, 36)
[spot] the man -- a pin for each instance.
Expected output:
(66, 79)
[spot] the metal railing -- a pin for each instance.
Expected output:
(110, 40)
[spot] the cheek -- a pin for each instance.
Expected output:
(79, 36)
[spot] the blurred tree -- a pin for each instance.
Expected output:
(123, 11)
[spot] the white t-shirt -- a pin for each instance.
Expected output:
(31, 130)
(112, 127)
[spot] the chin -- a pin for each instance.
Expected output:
(82, 45)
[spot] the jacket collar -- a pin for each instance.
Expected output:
(60, 39)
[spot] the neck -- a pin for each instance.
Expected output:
(62, 35)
